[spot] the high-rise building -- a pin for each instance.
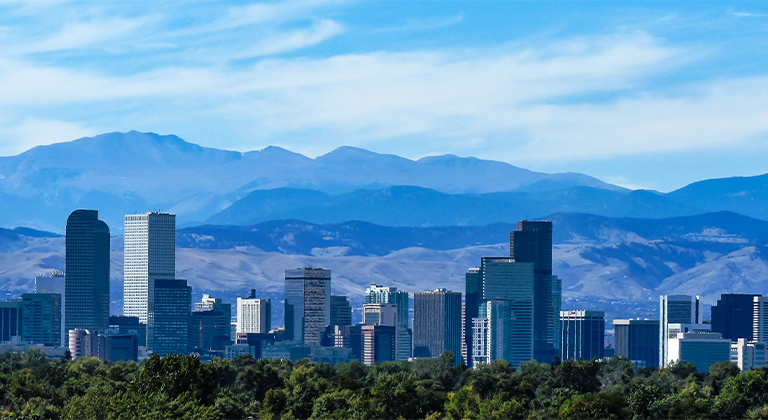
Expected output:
(505, 297)
(379, 343)
(106, 347)
(677, 309)
(341, 311)
(254, 315)
(168, 316)
(638, 340)
(308, 299)
(583, 334)
(381, 294)
(41, 313)
(54, 283)
(703, 349)
(473, 283)
(748, 354)
(532, 243)
(86, 273)
(437, 323)
(150, 254)
(733, 316)
(11, 324)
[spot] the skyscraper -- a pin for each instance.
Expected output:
(437, 323)
(254, 315)
(532, 243)
(308, 299)
(505, 297)
(638, 340)
(380, 314)
(10, 319)
(210, 324)
(379, 343)
(733, 315)
(150, 254)
(473, 283)
(86, 274)
(675, 309)
(169, 306)
(583, 334)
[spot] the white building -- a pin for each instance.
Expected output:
(748, 354)
(254, 315)
(760, 319)
(150, 253)
(703, 349)
(675, 309)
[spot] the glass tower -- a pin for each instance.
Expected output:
(86, 274)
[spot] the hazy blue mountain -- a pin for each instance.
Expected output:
(415, 206)
(121, 173)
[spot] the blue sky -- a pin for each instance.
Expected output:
(642, 94)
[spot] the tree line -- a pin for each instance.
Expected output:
(33, 386)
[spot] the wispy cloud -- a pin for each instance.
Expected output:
(279, 42)
(748, 14)
(424, 24)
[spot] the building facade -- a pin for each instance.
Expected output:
(733, 316)
(760, 319)
(254, 315)
(11, 324)
(583, 334)
(41, 318)
(532, 243)
(150, 254)
(380, 294)
(54, 283)
(168, 316)
(638, 340)
(308, 299)
(702, 349)
(86, 273)
(675, 309)
(341, 311)
(437, 323)
(379, 344)
(748, 354)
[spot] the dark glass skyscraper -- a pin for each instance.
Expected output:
(437, 323)
(168, 316)
(583, 334)
(638, 339)
(733, 316)
(86, 274)
(532, 243)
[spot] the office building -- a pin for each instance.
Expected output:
(79, 345)
(473, 282)
(760, 319)
(86, 273)
(168, 317)
(10, 320)
(308, 304)
(380, 314)
(350, 336)
(54, 283)
(379, 343)
(583, 334)
(505, 297)
(437, 323)
(404, 344)
(122, 325)
(208, 330)
(106, 347)
(748, 354)
(638, 340)
(532, 243)
(150, 254)
(702, 349)
(254, 315)
(41, 318)
(733, 316)
(341, 311)
(381, 294)
(675, 309)
(257, 341)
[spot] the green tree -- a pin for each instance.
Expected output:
(741, 393)
(463, 404)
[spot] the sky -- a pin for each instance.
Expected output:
(641, 94)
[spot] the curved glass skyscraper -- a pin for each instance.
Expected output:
(86, 274)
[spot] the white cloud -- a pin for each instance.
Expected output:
(31, 132)
(76, 35)
(293, 40)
